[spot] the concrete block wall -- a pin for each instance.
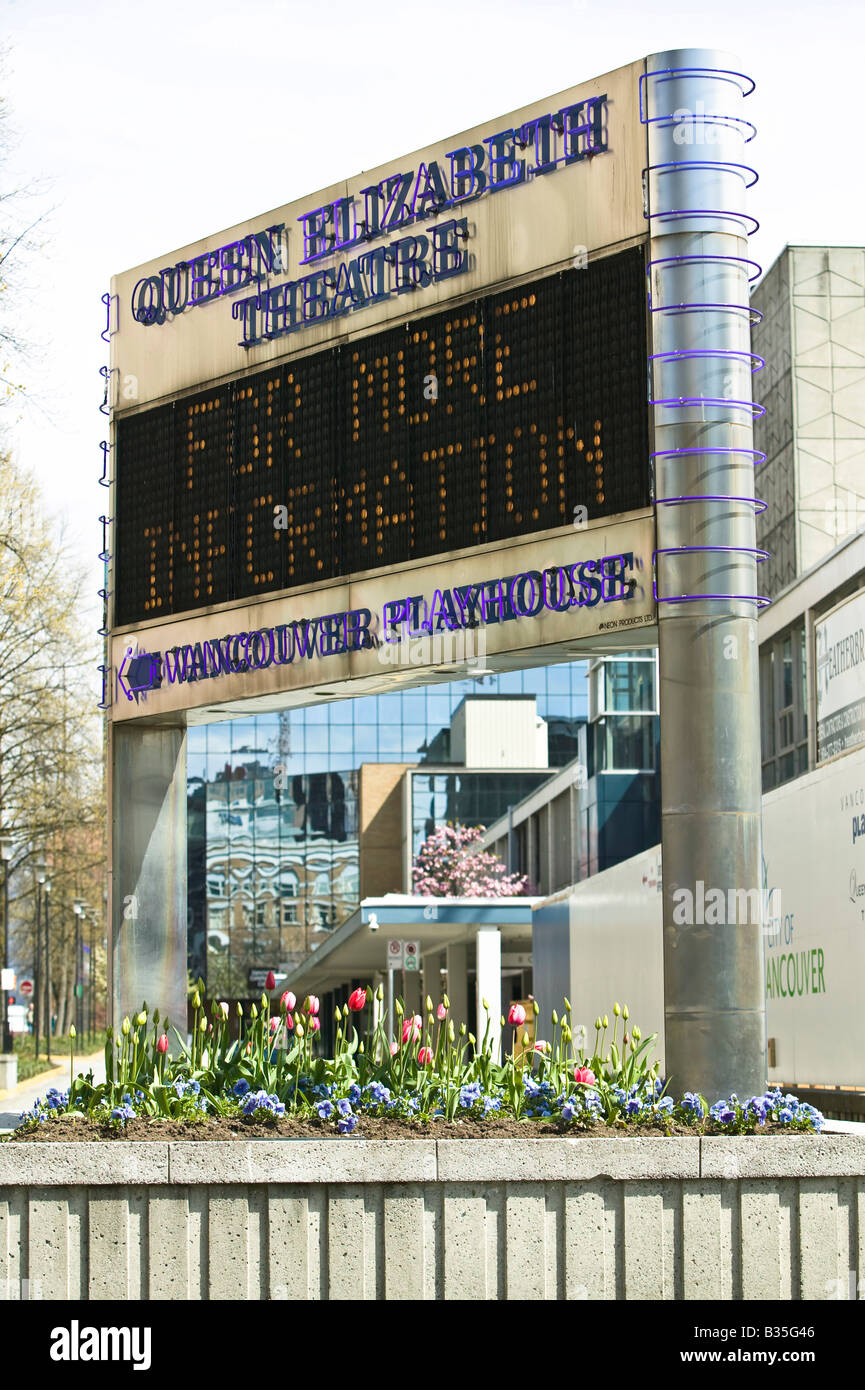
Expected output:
(776, 1218)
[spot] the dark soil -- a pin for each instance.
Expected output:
(77, 1128)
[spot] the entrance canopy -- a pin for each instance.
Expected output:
(358, 949)
(458, 935)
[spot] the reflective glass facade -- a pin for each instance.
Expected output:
(273, 809)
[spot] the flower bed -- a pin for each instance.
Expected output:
(434, 1080)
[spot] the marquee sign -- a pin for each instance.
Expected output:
(608, 579)
(342, 401)
(448, 431)
(567, 136)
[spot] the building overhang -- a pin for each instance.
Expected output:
(355, 950)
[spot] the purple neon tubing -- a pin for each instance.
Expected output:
(728, 165)
(681, 402)
(760, 555)
(681, 354)
(716, 74)
(690, 258)
(755, 502)
(756, 454)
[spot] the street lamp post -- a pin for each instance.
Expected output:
(5, 855)
(90, 981)
(37, 981)
(47, 975)
(78, 908)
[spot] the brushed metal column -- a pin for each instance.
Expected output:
(706, 566)
(147, 904)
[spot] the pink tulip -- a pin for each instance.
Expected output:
(162, 1043)
(310, 1004)
(540, 1046)
(223, 1009)
(394, 1048)
(314, 1024)
(274, 1024)
(583, 1076)
(441, 1012)
(357, 1000)
(270, 982)
(411, 1026)
(425, 1057)
(516, 1015)
(289, 1001)
(289, 1021)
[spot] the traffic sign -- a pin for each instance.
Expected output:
(412, 955)
(395, 955)
(26, 986)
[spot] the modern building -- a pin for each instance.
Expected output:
(294, 818)
(811, 339)
(604, 806)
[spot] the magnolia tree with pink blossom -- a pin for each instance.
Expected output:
(449, 865)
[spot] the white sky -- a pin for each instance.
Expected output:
(154, 124)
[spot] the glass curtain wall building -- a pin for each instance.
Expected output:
(273, 810)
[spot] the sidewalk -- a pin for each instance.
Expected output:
(22, 1097)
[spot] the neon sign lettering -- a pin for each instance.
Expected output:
(558, 139)
(583, 584)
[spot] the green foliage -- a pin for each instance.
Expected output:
(431, 1070)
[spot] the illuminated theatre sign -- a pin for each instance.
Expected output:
(575, 132)
(409, 406)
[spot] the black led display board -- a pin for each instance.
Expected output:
(479, 423)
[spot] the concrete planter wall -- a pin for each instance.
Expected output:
(778, 1218)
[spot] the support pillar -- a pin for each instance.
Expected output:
(147, 904)
(431, 978)
(411, 995)
(456, 962)
(706, 569)
(489, 985)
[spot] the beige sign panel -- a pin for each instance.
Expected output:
(548, 598)
(556, 214)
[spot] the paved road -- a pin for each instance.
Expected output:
(23, 1097)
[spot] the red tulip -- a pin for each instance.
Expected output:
(425, 1057)
(289, 1001)
(411, 1026)
(289, 1021)
(310, 1004)
(516, 1015)
(357, 1000)
(162, 1043)
(583, 1076)
(270, 982)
